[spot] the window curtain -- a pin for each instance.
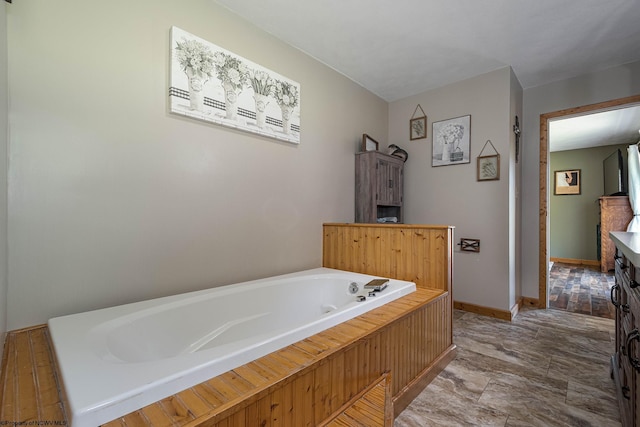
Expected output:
(634, 186)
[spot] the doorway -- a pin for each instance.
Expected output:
(543, 258)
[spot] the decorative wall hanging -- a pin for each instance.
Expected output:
(418, 125)
(368, 143)
(567, 182)
(488, 166)
(516, 130)
(469, 245)
(212, 84)
(451, 143)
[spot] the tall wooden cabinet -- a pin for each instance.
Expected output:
(615, 215)
(379, 187)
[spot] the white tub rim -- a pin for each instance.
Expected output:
(183, 377)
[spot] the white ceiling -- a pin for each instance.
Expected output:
(613, 127)
(401, 48)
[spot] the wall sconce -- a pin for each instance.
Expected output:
(516, 130)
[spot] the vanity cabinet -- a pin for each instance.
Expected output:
(625, 296)
(379, 187)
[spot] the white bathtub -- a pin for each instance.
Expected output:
(116, 360)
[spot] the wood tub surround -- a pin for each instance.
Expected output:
(372, 407)
(386, 355)
(29, 388)
(300, 385)
(418, 253)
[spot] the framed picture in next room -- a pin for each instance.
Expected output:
(567, 182)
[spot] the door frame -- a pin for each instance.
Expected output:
(543, 265)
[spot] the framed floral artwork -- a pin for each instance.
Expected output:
(213, 84)
(451, 143)
(418, 125)
(418, 128)
(489, 168)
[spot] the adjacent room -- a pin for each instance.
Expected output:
(159, 155)
(591, 149)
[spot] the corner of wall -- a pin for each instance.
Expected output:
(515, 199)
(4, 118)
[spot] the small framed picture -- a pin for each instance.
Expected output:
(418, 128)
(567, 182)
(489, 168)
(368, 143)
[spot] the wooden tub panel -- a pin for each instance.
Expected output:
(417, 253)
(29, 388)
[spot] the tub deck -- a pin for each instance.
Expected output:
(249, 395)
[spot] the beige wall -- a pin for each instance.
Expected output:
(113, 199)
(452, 195)
(612, 83)
(4, 136)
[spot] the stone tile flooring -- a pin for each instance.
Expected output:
(546, 368)
(581, 289)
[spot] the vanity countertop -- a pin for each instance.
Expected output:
(629, 244)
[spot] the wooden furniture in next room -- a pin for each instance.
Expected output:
(615, 215)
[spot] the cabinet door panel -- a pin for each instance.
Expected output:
(396, 183)
(389, 183)
(627, 380)
(385, 182)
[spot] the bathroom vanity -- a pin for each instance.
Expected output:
(625, 295)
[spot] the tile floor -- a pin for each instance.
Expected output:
(546, 368)
(581, 289)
